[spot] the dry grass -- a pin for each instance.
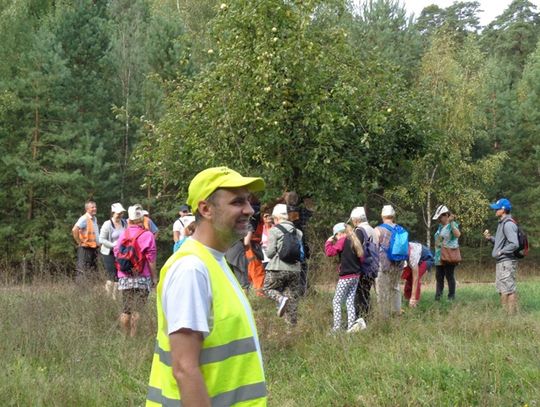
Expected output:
(61, 347)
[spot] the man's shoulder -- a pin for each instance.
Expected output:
(81, 221)
(289, 227)
(189, 264)
(510, 224)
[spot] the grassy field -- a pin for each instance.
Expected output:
(61, 346)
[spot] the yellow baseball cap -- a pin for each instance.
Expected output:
(207, 181)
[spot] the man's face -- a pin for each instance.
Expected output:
(231, 211)
(499, 213)
(183, 213)
(91, 209)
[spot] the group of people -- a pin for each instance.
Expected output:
(353, 244)
(373, 257)
(117, 239)
(207, 350)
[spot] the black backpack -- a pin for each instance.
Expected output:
(523, 240)
(370, 265)
(291, 250)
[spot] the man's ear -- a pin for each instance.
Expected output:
(205, 209)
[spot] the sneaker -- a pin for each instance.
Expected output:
(282, 305)
(359, 325)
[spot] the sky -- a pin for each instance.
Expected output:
(492, 8)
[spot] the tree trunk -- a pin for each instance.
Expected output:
(35, 141)
(428, 205)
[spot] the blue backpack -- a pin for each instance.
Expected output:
(370, 265)
(398, 249)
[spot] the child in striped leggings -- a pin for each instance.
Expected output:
(345, 243)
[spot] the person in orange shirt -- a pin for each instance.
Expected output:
(86, 234)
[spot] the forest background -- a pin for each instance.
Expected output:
(125, 100)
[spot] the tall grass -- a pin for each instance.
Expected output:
(61, 346)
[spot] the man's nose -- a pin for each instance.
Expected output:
(248, 209)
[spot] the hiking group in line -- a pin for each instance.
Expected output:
(207, 350)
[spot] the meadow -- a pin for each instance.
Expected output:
(61, 346)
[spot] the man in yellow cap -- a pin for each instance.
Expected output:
(207, 350)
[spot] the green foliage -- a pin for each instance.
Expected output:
(383, 30)
(523, 169)
(64, 66)
(449, 87)
(459, 20)
(513, 35)
(284, 98)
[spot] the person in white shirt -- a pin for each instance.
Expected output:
(180, 225)
(220, 201)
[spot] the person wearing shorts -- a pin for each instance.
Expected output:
(505, 243)
(135, 288)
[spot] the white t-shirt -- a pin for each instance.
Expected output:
(187, 295)
(178, 226)
(414, 254)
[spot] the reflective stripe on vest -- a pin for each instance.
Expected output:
(214, 354)
(88, 237)
(229, 361)
(238, 395)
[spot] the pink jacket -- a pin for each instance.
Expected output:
(147, 244)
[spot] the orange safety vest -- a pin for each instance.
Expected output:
(88, 236)
(146, 223)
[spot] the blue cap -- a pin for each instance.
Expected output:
(184, 208)
(502, 203)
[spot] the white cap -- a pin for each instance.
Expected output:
(145, 212)
(279, 209)
(358, 213)
(439, 211)
(388, 211)
(117, 208)
(135, 212)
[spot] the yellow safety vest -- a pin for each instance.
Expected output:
(230, 363)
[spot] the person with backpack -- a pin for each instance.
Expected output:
(135, 254)
(345, 243)
(419, 261)
(149, 224)
(282, 278)
(108, 236)
(188, 227)
(393, 250)
(446, 241)
(506, 246)
(299, 214)
(370, 266)
(179, 225)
